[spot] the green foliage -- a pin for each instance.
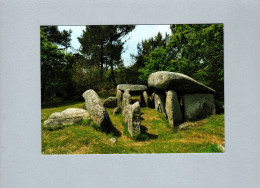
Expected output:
(196, 50)
(54, 68)
(57, 37)
(102, 45)
(145, 48)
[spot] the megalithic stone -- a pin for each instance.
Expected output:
(173, 108)
(198, 106)
(133, 119)
(180, 83)
(126, 100)
(146, 99)
(96, 110)
(119, 97)
(159, 102)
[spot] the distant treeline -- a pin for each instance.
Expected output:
(195, 50)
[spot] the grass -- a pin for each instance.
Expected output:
(157, 136)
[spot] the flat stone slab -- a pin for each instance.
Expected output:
(132, 87)
(66, 117)
(180, 83)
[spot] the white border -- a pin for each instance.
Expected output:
(22, 164)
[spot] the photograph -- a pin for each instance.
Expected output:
(129, 94)
(132, 89)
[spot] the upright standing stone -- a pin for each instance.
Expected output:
(96, 110)
(133, 119)
(159, 102)
(126, 100)
(198, 106)
(119, 97)
(146, 99)
(173, 108)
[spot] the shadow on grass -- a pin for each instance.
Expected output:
(114, 131)
(144, 131)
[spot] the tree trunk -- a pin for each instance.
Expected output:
(101, 62)
(111, 65)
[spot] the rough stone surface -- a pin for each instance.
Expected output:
(112, 140)
(117, 110)
(131, 87)
(173, 108)
(110, 102)
(126, 100)
(133, 119)
(221, 147)
(198, 106)
(66, 117)
(186, 125)
(119, 97)
(159, 102)
(146, 98)
(96, 110)
(180, 83)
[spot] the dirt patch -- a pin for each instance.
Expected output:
(201, 138)
(187, 125)
(81, 150)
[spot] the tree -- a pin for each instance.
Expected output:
(144, 48)
(147, 46)
(114, 48)
(92, 45)
(195, 50)
(57, 37)
(103, 45)
(54, 68)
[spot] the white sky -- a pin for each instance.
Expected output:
(140, 33)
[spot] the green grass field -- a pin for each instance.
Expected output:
(157, 137)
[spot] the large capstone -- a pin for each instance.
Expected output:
(159, 102)
(67, 117)
(119, 97)
(173, 108)
(180, 83)
(133, 119)
(126, 100)
(96, 110)
(133, 89)
(110, 102)
(198, 106)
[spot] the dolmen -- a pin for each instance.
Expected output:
(180, 97)
(96, 110)
(140, 90)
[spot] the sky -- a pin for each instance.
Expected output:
(141, 32)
